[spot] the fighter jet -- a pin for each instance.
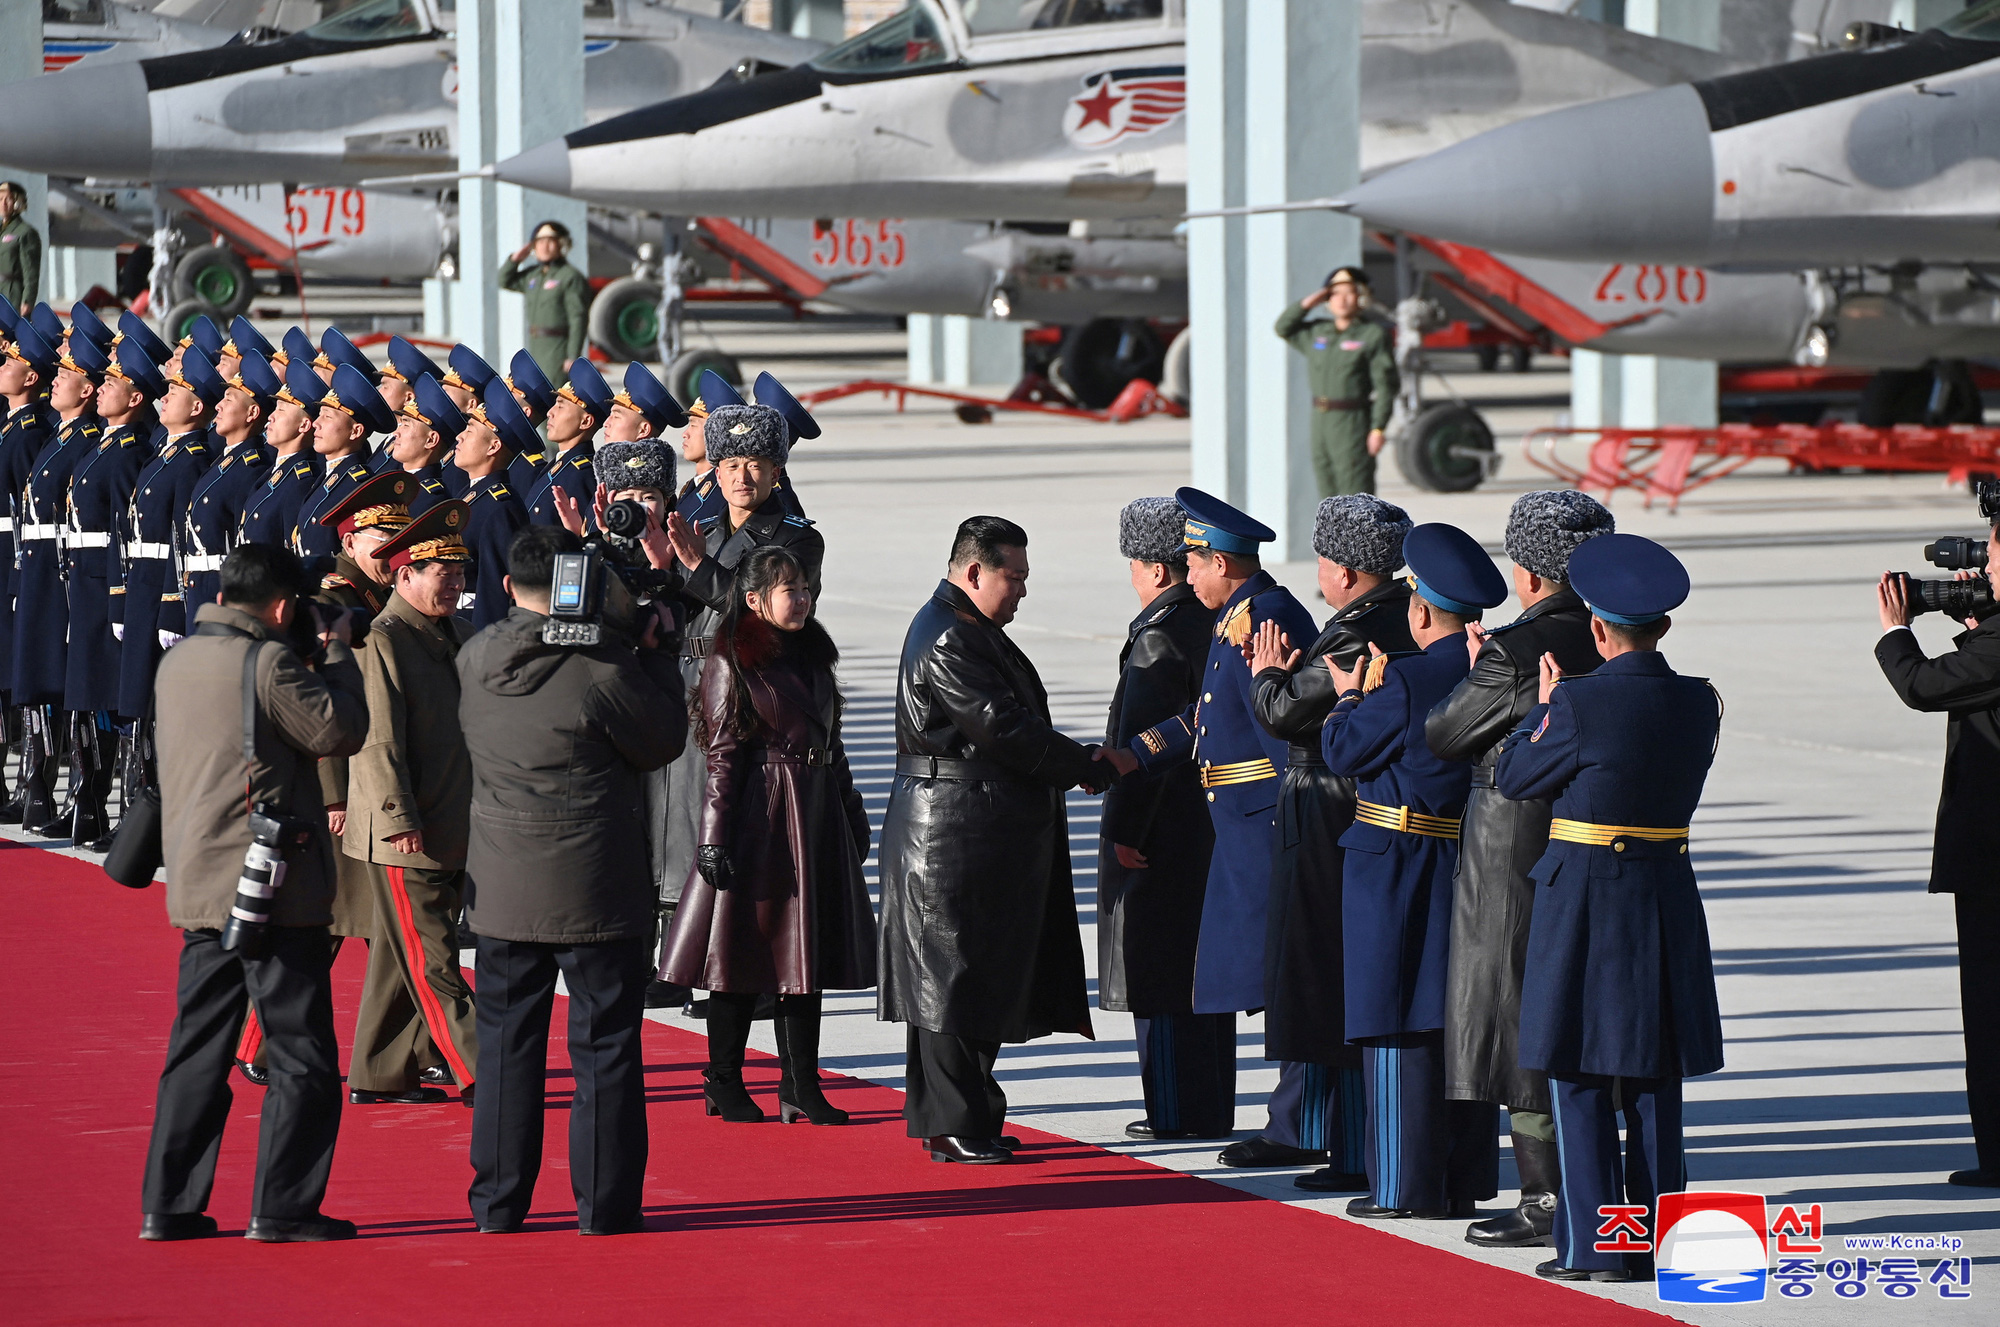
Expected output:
(1881, 155)
(370, 91)
(1053, 110)
(77, 32)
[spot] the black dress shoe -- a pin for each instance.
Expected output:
(164, 1226)
(967, 1151)
(437, 1076)
(1330, 1180)
(1366, 1206)
(1144, 1130)
(416, 1096)
(665, 994)
(1555, 1271)
(501, 1228)
(1260, 1152)
(632, 1227)
(311, 1230)
(1526, 1227)
(254, 1074)
(1006, 1140)
(1975, 1179)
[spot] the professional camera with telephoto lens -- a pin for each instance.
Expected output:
(1958, 598)
(606, 585)
(274, 838)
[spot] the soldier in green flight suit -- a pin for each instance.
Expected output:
(558, 299)
(1351, 365)
(20, 249)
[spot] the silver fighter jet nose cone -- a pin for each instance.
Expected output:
(545, 167)
(1629, 178)
(90, 121)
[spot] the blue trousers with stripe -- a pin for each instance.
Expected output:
(1320, 1108)
(1187, 1066)
(1423, 1151)
(1587, 1108)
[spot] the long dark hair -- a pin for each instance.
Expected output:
(748, 643)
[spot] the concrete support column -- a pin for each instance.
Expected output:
(21, 57)
(475, 302)
(821, 20)
(950, 350)
(69, 273)
(1274, 116)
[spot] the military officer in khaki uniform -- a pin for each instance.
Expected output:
(558, 299)
(409, 808)
(1351, 365)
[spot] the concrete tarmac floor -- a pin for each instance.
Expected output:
(1844, 1084)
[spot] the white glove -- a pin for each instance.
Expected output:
(118, 631)
(167, 640)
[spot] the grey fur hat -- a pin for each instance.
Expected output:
(1361, 531)
(744, 430)
(1546, 526)
(642, 464)
(1152, 530)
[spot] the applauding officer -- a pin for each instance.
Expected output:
(1618, 1004)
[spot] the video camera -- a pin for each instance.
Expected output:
(604, 585)
(1958, 598)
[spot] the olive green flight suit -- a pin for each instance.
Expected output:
(558, 299)
(1354, 382)
(20, 262)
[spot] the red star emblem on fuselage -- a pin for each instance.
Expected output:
(1097, 109)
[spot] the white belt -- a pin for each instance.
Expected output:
(31, 531)
(88, 539)
(136, 549)
(6, 524)
(203, 562)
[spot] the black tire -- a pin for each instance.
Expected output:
(684, 373)
(625, 318)
(217, 276)
(1489, 357)
(1099, 357)
(1520, 358)
(1895, 396)
(182, 315)
(1430, 451)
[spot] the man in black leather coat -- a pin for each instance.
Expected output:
(1152, 859)
(979, 936)
(1500, 841)
(1359, 540)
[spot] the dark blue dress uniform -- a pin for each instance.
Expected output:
(272, 515)
(151, 602)
(574, 469)
(208, 530)
(352, 394)
(1425, 1156)
(1618, 1005)
(430, 487)
(1237, 763)
(535, 394)
(494, 513)
(471, 374)
(41, 601)
(26, 432)
(100, 491)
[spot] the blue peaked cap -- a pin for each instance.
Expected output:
(1451, 570)
(1630, 580)
(1214, 525)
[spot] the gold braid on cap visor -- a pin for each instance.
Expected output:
(448, 549)
(388, 516)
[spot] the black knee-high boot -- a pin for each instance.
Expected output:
(39, 765)
(90, 825)
(728, 1035)
(798, 1055)
(1531, 1221)
(16, 746)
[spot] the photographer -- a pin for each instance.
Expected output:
(1966, 685)
(300, 711)
(560, 738)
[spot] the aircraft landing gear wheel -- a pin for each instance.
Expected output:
(1489, 358)
(684, 374)
(1520, 358)
(625, 318)
(1444, 450)
(182, 315)
(217, 276)
(1099, 357)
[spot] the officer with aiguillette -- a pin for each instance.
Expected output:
(1351, 365)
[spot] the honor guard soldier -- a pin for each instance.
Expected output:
(769, 391)
(531, 387)
(1152, 859)
(1237, 764)
(1351, 366)
(1359, 542)
(423, 440)
(151, 613)
(350, 410)
(644, 410)
(335, 350)
(582, 404)
(133, 328)
(249, 341)
(465, 381)
(296, 348)
(1427, 1157)
(493, 512)
(272, 514)
(26, 370)
(1493, 897)
(41, 600)
(699, 500)
(557, 298)
(1618, 1002)
(50, 324)
(83, 321)
(208, 530)
(100, 490)
(398, 384)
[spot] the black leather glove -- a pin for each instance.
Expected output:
(712, 860)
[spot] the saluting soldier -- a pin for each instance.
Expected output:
(272, 514)
(20, 249)
(99, 491)
(25, 374)
(1427, 1157)
(1351, 365)
(1493, 897)
(493, 511)
(1618, 1003)
(582, 404)
(208, 530)
(349, 411)
(1152, 856)
(1359, 541)
(557, 298)
(1237, 763)
(41, 601)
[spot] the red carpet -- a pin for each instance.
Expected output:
(745, 1224)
